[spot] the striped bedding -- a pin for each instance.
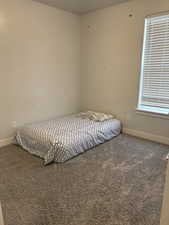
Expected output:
(63, 138)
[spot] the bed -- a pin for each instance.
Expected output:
(60, 139)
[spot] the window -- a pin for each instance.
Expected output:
(154, 81)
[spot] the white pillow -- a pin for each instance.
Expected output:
(96, 116)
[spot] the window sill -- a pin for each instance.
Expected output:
(152, 112)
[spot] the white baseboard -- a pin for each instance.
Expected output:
(148, 136)
(1, 216)
(6, 141)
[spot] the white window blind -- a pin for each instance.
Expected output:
(154, 83)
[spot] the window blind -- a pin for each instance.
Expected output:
(154, 86)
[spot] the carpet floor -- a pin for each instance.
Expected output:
(118, 183)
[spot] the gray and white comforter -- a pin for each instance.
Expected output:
(60, 139)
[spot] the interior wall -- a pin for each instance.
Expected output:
(111, 51)
(39, 63)
(40, 56)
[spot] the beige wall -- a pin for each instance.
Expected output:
(39, 63)
(111, 56)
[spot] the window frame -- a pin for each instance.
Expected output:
(152, 111)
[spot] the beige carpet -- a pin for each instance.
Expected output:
(118, 183)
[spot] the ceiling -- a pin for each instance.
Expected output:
(80, 6)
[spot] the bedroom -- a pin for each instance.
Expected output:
(62, 58)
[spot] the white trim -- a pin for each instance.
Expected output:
(153, 105)
(142, 64)
(155, 110)
(152, 114)
(148, 136)
(1, 216)
(6, 141)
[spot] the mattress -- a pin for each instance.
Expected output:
(60, 139)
